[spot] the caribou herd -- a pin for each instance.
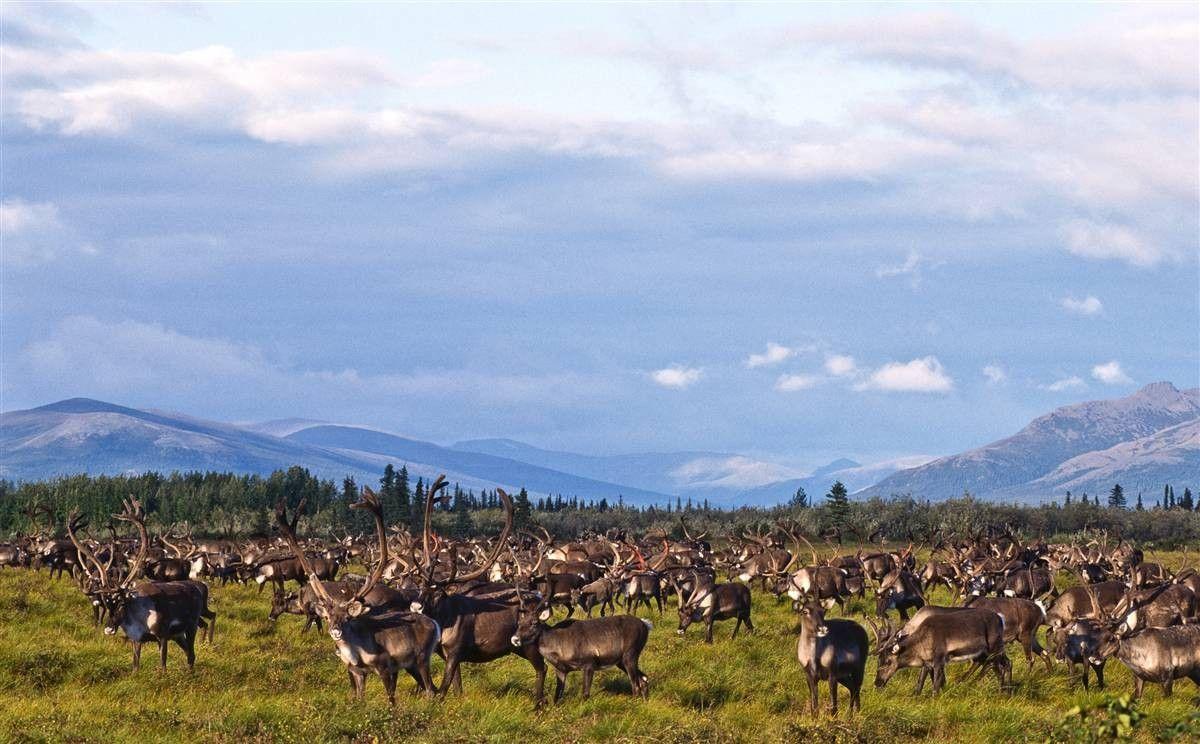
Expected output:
(472, 601)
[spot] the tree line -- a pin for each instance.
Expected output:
(213, 503)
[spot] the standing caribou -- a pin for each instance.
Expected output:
(380, 640)
(161, 611)
(581, 645)
(831, 650)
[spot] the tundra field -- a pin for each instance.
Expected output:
(61, 679)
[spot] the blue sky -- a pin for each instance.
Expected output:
(795, 232)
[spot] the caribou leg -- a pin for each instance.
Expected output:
(560, 684)
(833, 685)
(387, 674)
(588, 671)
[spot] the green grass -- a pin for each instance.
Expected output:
(62, 680)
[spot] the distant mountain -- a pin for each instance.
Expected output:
(1142, 441)
(282, 427)
(1170, 455)
(712, 475)
(83, 435)
(502, 471)
(852, 475)
(1091, 445)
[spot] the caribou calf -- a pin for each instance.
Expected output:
(1079, 643)
(833, 650)
(583, 645)
(900, 590)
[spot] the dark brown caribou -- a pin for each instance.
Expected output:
(831, 650)
(162, 611)
(368, 639)
(581, 645)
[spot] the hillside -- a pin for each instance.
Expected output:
(1039, 461)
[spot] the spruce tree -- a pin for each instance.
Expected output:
(403, 497)
(837, 501)
(1139, 506)
(522, 510)
(462, 515)
(416, 516)
(1068, 501)
(1116, 497)
(1185, 502)
(799, 499)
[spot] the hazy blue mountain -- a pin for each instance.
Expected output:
(853, 476)
(712, 475)
(90, 436)
(1026, 466)
(1142, 441)
(502, 471)
(84, 435)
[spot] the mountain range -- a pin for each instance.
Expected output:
(1142, 441)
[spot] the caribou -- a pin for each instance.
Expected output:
(831, 650)
(581, 645)
(162, 611)
(382, 640)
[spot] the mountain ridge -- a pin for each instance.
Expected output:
(1011, 467)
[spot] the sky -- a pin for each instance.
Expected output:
(795, 232)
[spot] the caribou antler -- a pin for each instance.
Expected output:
(370, 502)
(288, 530)
(134, 515)
(501, 542)
(430, 499)
(75, 523)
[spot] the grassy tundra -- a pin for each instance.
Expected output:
(62, 680)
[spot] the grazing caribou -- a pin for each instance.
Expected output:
(961, 635)
(717, 602)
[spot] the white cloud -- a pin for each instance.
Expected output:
(793, 383)
(1066, 383)
(911, 268)
(840, 365)
(1110, 373)
(995, 374)
(155, 362)
(677, 377)
(924, 375)
(1089, 305)
(774, 354)
(730, 472)
(34, 233)
(1109, 241)
(18, 216)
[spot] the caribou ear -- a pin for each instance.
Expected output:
(544, 615)
(355, 608)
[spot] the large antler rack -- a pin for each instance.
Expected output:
(370, 502)
(288, 530)
(133, 514)
(76, 523)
